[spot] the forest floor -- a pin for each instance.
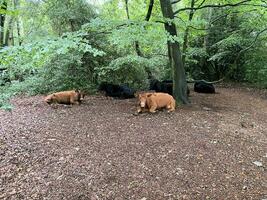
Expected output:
(215, 148)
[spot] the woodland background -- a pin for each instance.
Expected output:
(53, 45)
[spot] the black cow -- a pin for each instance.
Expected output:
(204, 87)
(167, 86)
(117, 91)
(159, 86)
(163, 86)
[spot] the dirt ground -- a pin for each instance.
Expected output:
(215, 148)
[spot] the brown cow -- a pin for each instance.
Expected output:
(154, 101)
(65, 97)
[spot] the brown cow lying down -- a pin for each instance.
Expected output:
(65, 97)
(153, 101)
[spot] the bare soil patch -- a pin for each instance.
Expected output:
(215, 148)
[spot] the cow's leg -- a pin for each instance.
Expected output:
(74, 101)
(153, 108)
(171, 106)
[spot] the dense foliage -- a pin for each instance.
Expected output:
(56, 45)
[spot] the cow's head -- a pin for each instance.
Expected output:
(80, 94)
(143, 99)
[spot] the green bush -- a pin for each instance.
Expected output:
(55, 63)
(4, 99)
(49, 65)
(132, 71)
(128, 70)
(256, 68)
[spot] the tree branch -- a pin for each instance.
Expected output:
(174, 2)
(235, 12)
(256, 5)
(127, 9)
(252, 44)
(216, 19)
(212, 6)
(201, 3)
(149, 11)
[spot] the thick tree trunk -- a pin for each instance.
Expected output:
(179, 80)
(3, 6)
(186, 34)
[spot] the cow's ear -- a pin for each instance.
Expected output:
(149, 95)
(136, 94)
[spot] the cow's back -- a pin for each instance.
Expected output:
(162, 99)
(64, 97)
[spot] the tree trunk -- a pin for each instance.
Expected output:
(148, 15)
(3, 6)
(18, 32)
(16, 6)
(186, 34)
(206, 38)
(149, 11)
(9, 36)
(136, 43)
(127, 9)
(179, 80)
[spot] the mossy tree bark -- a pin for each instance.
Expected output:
(179, 79)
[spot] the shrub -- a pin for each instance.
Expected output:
(49, 65)
(131, 70)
